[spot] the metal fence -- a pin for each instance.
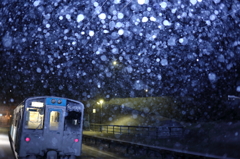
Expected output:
(161, 131)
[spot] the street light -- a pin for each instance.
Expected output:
(115, 68)
(100, 102)
(114, 63)
(94, 117)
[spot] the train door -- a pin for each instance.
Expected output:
(53, 130)
(19, 128)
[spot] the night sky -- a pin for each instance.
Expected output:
(184, 48)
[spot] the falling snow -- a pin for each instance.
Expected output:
(7, 40)
(163, 5)
(80, 18)
(102, 16)
(193, 1)
(164, 62)
(188, 50)
(166, 23)
(238, 89)
(36, 3)
(91, 33)
(212, 77)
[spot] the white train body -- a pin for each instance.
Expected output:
(47, 127)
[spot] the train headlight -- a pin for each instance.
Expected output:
(27, 139)
(76, 140)
(59, 101)
(53, 101)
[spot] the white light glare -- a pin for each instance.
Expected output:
(91, 33)
(144, 19)
(153, 19)
(60, 17)
(163, 5)
(141, 2)
(154, 36)
(166, 23)
(120, 32)
(120, 15)
(80, 18)
(193, 2)
(102, 16)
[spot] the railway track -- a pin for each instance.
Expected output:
(136, 149)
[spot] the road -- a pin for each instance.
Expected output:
(87, 151)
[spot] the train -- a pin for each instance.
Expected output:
(47, 127)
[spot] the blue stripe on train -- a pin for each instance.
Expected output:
(49, 101)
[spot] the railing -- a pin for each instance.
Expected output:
(161, 131)
(144, 150)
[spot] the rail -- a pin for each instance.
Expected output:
(161, 131)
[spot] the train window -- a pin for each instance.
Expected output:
(15, 123)
(54, 120)
(34, 118)
(72, 120)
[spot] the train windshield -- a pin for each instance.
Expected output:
(73, 116)
(72, 120)
(54, 120)
(34, 115)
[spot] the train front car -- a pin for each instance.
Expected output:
(52, 128)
